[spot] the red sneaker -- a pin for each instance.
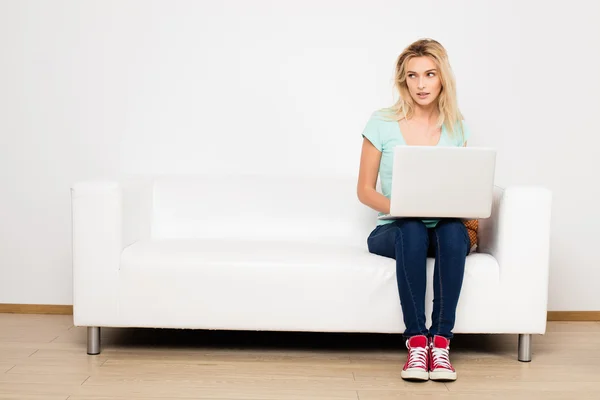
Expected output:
(416, 367)
(440, 368)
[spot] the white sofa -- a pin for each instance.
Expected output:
(284, 254)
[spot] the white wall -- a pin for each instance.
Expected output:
(97, 88)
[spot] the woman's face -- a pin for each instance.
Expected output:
(423, 80)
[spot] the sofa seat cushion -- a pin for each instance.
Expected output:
(280, 285)
(202, 253)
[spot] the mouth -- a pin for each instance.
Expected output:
(422, 95)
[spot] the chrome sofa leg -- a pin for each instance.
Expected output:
(525, 347)
(93, 340)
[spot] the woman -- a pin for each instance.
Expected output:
(426, 114)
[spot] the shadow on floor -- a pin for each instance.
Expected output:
(282, 341)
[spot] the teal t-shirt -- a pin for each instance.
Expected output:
(385, 135)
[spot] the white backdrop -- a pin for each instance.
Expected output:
(98, 88)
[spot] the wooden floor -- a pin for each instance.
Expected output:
(43, 357)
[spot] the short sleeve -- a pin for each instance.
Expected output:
(372, 132)
(466, 134)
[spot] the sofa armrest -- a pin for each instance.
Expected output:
(106, 218)
(517, 234)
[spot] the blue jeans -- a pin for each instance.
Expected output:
(410, 242)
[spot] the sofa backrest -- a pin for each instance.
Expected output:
(260, 207)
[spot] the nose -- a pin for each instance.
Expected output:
(421, 84)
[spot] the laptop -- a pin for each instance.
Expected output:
(442, 182)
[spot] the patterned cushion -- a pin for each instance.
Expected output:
(472, 226)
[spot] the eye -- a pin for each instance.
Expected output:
(431, 74)
(411, 75)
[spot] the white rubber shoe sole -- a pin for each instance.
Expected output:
(442, 375)
(415, 374)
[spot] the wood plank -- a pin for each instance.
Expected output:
(4, 396)
(55, 368)
(5, 366)
(91, 392)
(465, 395)
(249, 381)
(11, 355)
(51, 309)
(22, 390)
(539, 388)
(573, 315)
(96, 397)
(54, 378)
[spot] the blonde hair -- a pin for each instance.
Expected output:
(450, 115)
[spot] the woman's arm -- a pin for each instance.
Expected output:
(367, 179)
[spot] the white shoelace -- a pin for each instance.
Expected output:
(417, 357)
(441, 358)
